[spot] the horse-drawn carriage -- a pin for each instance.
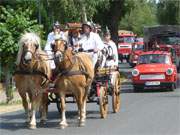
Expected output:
(106, 82)
(75, 78)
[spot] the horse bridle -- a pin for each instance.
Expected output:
(57, 55)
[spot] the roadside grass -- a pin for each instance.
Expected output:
(16, 102)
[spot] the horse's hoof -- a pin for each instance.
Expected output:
(82, 124)
(63, 125)
(43, 122)
(32, 126)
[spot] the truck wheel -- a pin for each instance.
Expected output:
(178, 68)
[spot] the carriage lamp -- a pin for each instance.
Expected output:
(169, 71)
(135, 72)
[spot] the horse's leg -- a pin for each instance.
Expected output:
(84, 103)
(87, 89)
(81, 108)
(36, 100)
(44, 108)
(25, 105)
(84, 108)
(63, 122)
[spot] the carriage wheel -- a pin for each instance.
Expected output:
(58, 107)
(116, 95)
(58, 103)
(103, 102)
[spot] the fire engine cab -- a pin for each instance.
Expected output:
(166, 38)
(125, 41)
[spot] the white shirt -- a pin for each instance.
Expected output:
(50, 39)
(93, 41)
(48, 48)
(115, 53)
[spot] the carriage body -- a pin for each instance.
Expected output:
(101, 88)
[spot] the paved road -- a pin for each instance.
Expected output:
(154, 112)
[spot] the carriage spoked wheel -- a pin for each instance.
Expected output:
(58, 103)
(116, 95)
(103, 102)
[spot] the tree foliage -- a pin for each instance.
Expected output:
(13, 23)
(169, 12)
(143, 13)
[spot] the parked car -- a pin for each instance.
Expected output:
(154, 69)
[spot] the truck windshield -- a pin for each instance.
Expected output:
(170, 40)
(138, 47)
(126, 39)
(153, 58)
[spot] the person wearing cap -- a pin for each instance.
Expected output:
(112, 60)
(51, 40)
(90, 42)
(74, 37)
(96, 28)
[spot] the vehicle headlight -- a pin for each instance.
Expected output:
(135, 72)
(169, 71)
(135, 56)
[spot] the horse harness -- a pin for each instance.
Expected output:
(33, 72)
(70, 72)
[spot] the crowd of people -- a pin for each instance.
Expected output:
(88, 40)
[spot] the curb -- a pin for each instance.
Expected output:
(10, 108)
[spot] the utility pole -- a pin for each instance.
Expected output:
(84, 13)
(84, 16)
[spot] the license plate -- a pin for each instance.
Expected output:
(155, 83)
(152, 77)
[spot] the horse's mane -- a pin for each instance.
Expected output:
(26, 39)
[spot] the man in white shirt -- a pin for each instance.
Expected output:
(51, 40)
(91, 42)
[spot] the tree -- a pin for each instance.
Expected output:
(110, 15)
(169, 12)
(142, 14)
(13, 23)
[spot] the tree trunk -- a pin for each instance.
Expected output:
(8, 86)
(114, 16)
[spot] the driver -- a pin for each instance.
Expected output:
(51, 40)
(90, 42)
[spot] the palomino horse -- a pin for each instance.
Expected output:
(32, 76)
(76, 73)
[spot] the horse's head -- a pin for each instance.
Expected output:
(59, 47)
(29, 46)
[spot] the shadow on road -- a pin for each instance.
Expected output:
(16, 121)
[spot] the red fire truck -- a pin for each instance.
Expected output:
(164, 37)
(137, 49)
(126, 39)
